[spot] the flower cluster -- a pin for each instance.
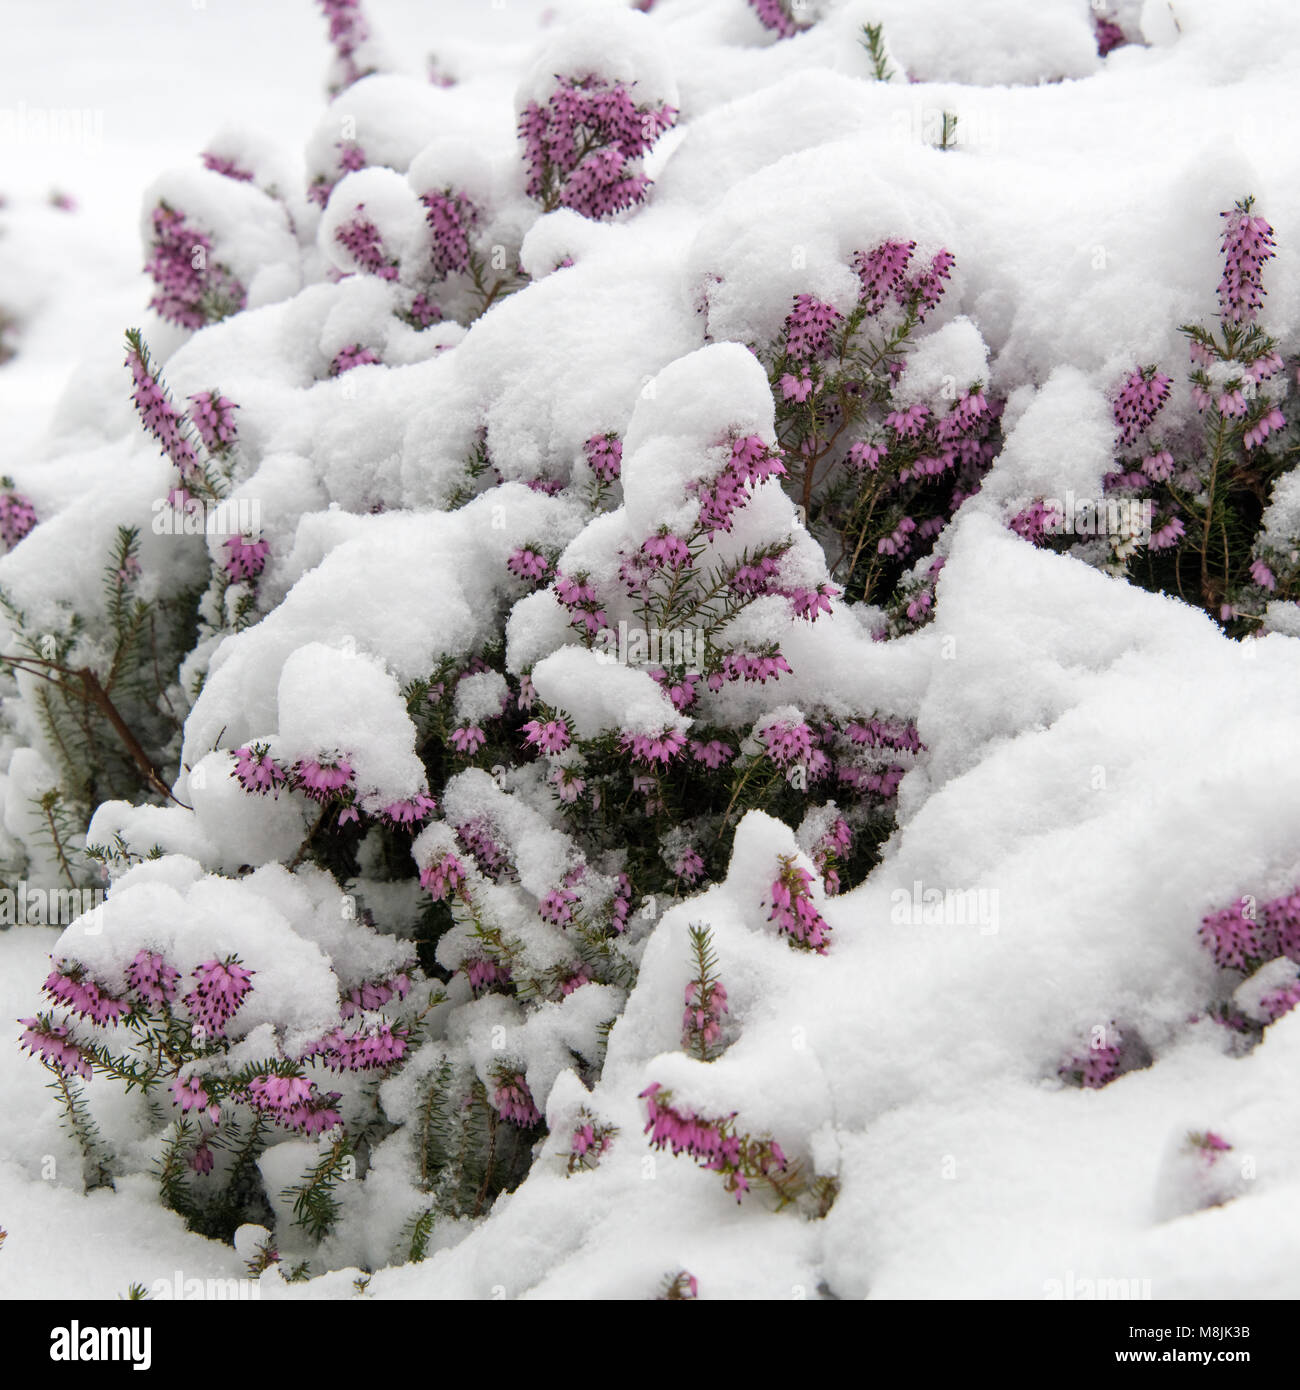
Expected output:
(514, 1101)
(1247, 244)
(451, 218)
(193, 289)
(713, 1143)
(362, 240)
(1245, 935)
(583, 146)
(17, 515)
(348, 32)
(777, 16)
(588, 1142)
(213, 415)
(1100, 1064)
(793, 909)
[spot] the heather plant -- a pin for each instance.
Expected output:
(1257, 946)
(1206, 484)
(877, 477)
(193, 287)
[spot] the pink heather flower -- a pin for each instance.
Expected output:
(569, 785)
(424, 311)
(1262, 575)
(214, 417)
(443, 878)
(221, 164)
(703, 1017)
(477, 838)
(348, 32)
(549, 737)
(321, 778)
(158, 415)
(1200, 354)
(668, 550)
(1280, 1001)
(152, 978)
(1098, 1066)
(573, 592)
(928, 287)
(787, 743)
(909, 423)
(1235, 938)
(1210, 1144)
(218, 993)
(865, 455)
(257, 771)
(1109, 35)
(192, 288)
(897, 543)
(352, 356)
(580, 148)
(202, 1160)
(557, 907)
(688, 865)
(527, 564)
(810, 328)
(1247, 245)
(351, 156)
(775, 15)
(793, 910)
(514, 1102)
(1169, 534)
(757, 578)
(17, 517)
(751, 667)
(366, 1050)
(483, 972)
(83, 996)
(1159, 466)
(1231, 403)
(409, 813)
(1263, 367)
(278, 1093)
(190, 1094)
(374, 994)
(246, 559)
(468, 739)
(48, 1040)
(1282, 926)
(653, 748)
(1139, 401)
(574, 981)
(605, 456)
(712, 754)
(1200, 396)
(796, 388)
(451, 217)
(361, 239)
(808, 603)
(314, 1116)
(1263, 427)
(882, 273)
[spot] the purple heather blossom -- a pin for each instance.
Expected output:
(796, 388)
(808, 603)
(882, 272)
(667, 549)
(775, 15)
(1099, 1065)
(152, 978)
(366, 1050)
(409, 813)
(190, 1094)
(909, 423)
(653, 748)
(810, 328)
(245, 559)
(1271, 420)
(1247, 244)
(468, 739)
(219, 991)
(605, 456)
(863, 454)
(1168, 534)
(1262, 575)
(557, 906)
(1139, 401)
(751, 666)
(257, 770)
(17, 517)
(192, 288)
(579, 146)
(202, 1159)
(322, 778)
(786, 742)
(525, 563)
(483, 972)
(704, 1009)
(158, 415)
(222, 164)
(1109, 35)
(443, 878)
(214, 417)
(354, 355)
(712, 754)
(83, 996)
(688, 865)
(348, 31)
(551, 736)
(374, 994)
(514, 1102)
(362, 240)
(424, 311)
(451, 217)
(48, 1040)
(793, 909)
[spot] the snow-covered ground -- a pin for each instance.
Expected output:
(1102, 765)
